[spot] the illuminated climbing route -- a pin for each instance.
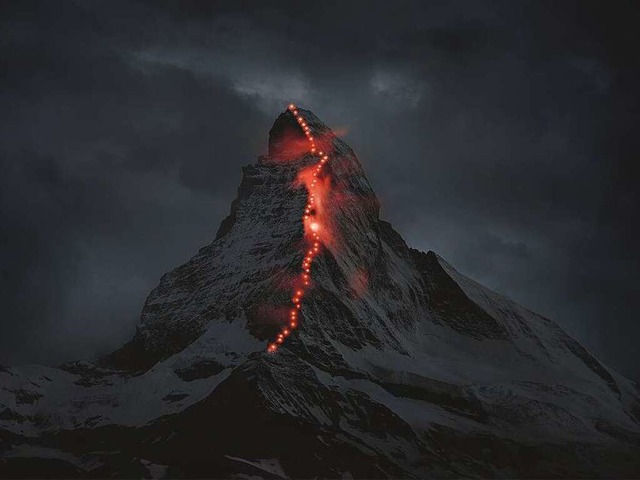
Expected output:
(312, 228)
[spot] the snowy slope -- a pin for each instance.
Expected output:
(402, 366)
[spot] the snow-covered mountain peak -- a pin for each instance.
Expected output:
(400, 366)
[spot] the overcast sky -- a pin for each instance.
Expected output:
(499, 134)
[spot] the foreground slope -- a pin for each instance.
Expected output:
(402, 366)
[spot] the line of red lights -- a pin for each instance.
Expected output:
(308, 220)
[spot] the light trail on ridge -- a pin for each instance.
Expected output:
(312, 228)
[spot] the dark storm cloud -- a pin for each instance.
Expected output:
(500, 134)
(112, 171)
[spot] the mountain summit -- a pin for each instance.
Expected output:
(398, 365)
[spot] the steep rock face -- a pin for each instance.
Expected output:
(402, 366)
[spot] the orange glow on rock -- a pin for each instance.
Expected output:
(359, 283)
(291, 146)
(340, 131)
(315, 218)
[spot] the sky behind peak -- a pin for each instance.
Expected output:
(500, 134)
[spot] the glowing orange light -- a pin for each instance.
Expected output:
(309, 177)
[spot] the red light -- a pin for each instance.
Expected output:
(309, 177)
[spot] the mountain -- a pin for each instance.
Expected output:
(400, 366)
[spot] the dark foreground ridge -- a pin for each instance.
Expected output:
(402, 367)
